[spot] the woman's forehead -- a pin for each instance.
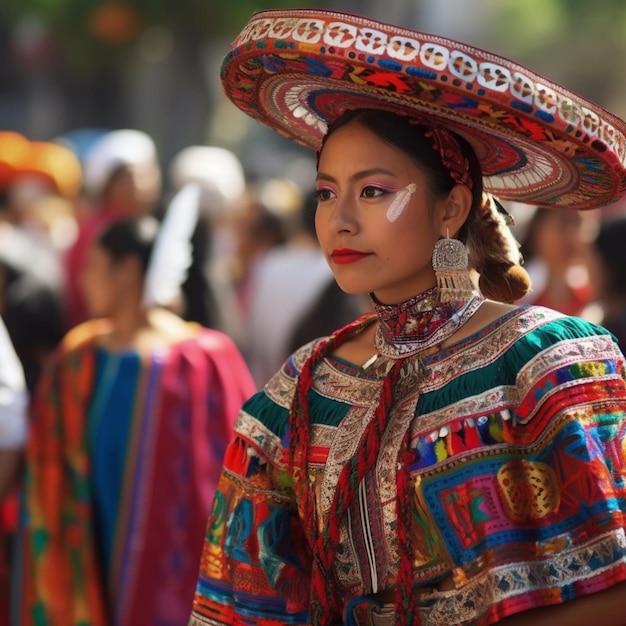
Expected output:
(359, 141)
(359, 152)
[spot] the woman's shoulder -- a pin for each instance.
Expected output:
(546, 326)
(536, 324)
(515, 336)
(271, 405)
(84, 335)
(538, 335)
(282, 385)
(294, 364)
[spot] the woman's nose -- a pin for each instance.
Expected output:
(345, 215)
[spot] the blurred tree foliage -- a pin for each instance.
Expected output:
(90, 45)
(551, 35)
(96, 33)
(580, 43)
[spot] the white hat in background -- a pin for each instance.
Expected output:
(217, 171)
(112, 150)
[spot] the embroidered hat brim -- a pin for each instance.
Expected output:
(297, 71)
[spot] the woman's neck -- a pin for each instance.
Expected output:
(421, 323)
(144, 330)
(126, 324)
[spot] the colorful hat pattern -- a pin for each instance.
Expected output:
(297, 71)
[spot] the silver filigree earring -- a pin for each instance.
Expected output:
(451, 265)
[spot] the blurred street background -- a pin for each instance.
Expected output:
(154, 64)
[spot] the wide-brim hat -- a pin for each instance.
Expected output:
(299, 70)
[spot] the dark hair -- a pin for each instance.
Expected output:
(202, 304)
(267, 224)
(501, 277)
(33, 315)
(130, 237)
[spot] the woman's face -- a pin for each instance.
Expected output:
(100, 282)
(560, 238)
(133, 189)
(370, 247)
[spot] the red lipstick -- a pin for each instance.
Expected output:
(343, 256)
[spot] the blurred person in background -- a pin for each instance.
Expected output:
(44, 192)
(38, 182)
(608, 273)
(38, 222)
(13, 411)
(40, 193)
(208, 292)
(259, 226)
(122, 178)
(31, 301)
(295, 298)
(555, 249)
(13, 414)
(129, 426)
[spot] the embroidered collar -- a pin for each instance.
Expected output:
(420, 323)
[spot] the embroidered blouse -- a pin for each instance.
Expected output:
(518, 441)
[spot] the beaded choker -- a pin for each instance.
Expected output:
(420, 323)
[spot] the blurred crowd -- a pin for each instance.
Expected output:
(257, 273)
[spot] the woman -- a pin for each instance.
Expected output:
(129, 427)
(452, 459)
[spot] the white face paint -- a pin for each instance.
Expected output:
(399, 203)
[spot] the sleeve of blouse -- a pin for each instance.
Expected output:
(255, 565)
(536, 514)
(569, 491)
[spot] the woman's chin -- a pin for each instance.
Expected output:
(352, 288)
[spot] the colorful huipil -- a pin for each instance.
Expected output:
(517, 459)
(123, 458)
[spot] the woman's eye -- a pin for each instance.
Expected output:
(373, 192)
(323, 195)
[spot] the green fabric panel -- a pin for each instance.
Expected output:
(504, 370)
(326, 412)
(275, 418)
